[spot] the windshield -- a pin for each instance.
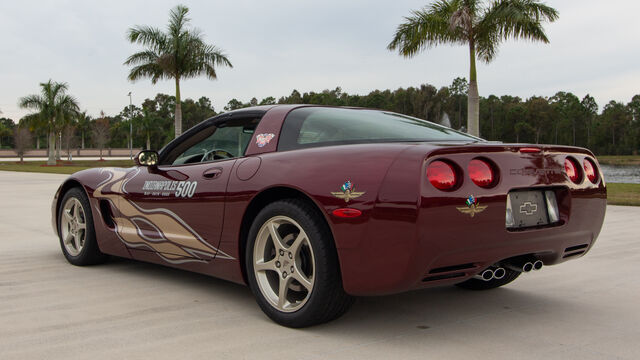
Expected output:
(320, 126)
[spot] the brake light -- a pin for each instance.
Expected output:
(441, 175)
(530, 150)
(571, 168)
(590, 170)
(480, 173)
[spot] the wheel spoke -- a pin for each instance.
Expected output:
(283, 291)
(297, 243)
(265, 266)
(67, 214)
(82, 226)
(68, 238)
(302, 279)
(77, 240)
(275, 237)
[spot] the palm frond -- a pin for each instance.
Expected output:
(147, 36)
(520, 19)
(33, 102)
(426, 28)
(142, 57)
(153, 71)
(178, 20)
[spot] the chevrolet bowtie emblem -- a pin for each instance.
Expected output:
(473, 207)
(347, 192)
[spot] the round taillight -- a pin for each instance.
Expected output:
(571, 168)
(590, 170)
(441, 175)
(480, 173)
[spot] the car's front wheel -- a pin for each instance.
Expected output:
(76, 231)
(292, 266)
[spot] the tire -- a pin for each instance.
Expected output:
(303, 258)
(477, 284)
(76, 232)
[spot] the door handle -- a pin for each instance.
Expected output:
(212, 173)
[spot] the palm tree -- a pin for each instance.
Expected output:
(179, 53)
(53, 105)
(473, 23)
(83, 122)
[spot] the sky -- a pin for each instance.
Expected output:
(278, 46)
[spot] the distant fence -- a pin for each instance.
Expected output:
(117, 152)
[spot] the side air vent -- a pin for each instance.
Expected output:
(107, 215)
(575, 250)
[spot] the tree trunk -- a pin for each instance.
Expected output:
(473, 107)
(37, 141)
(51, 150)
(178, 116)
(82, 138)
(148, 142)
(58, 145)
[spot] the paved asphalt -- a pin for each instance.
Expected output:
(49, 309)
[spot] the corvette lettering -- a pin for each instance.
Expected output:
(180, 188)
(528, 172)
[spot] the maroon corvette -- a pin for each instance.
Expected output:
(313, 205)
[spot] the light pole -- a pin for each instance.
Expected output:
(130, 126)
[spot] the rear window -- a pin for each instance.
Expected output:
(319, 126)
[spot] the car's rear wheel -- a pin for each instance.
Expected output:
(292, 266)
(479, 284)
(76, 231)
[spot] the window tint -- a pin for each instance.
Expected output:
(227, 140)
(317, 126)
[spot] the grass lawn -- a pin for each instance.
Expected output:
(623, 194)
(619, 160)
(63, 167)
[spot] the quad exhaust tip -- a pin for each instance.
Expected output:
(500, 272)
(537, 265)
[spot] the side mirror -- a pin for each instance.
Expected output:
(147, 158)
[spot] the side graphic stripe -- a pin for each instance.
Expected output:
(176, 241)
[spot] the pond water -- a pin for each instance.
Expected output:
(621, 174)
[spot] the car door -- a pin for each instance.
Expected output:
(177, 208)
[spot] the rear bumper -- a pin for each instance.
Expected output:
(406, 249)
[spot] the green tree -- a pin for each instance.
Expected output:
(83, 123)
(53, 105)
(6, 129)
(180, 53)
(458, 89)
(480, 26)
(590, 109)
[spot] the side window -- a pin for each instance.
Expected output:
(224, 141)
